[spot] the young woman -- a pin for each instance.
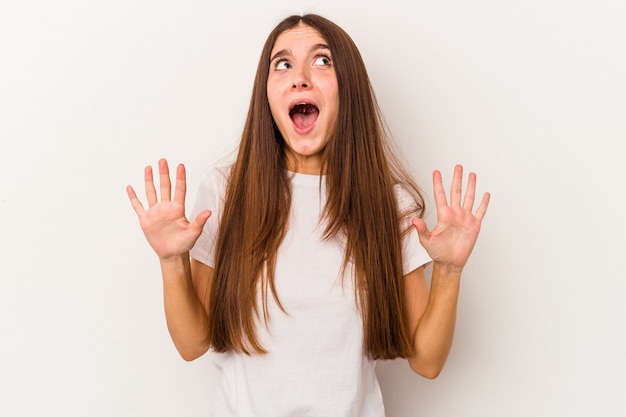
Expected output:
(299, 269)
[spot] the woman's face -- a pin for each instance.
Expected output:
(303, 95)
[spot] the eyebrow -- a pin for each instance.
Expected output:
(286, 52)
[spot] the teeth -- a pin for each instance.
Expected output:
(302, 107)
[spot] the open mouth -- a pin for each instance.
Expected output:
(303, 115)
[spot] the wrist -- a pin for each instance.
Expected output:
(175, 262)
(176, 271)
(447, 269)
(446, 279)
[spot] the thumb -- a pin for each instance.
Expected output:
(201, 219)
(420, 226)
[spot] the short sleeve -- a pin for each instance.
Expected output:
(413, 253)
(210, 197)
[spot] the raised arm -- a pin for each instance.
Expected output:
(171, 236)
(432, 315)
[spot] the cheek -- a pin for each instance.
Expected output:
(270, 96)
(332, 97)
(331, 91)
(273, 103)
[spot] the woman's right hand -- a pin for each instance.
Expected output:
(164, 223)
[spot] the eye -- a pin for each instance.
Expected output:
(322, 60)
(281, 64)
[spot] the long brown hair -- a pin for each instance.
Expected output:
(361, 172)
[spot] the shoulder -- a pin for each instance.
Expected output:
(218, 173)
(406, 198)
(216, 178)
(212, 189)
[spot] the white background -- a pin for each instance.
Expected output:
(529, 94)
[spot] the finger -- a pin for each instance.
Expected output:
(164, 179)
(134, 201)
(482, 208)
(420, 226)
(151, 194)
(457, 186)
(470, 193)
(438, 191)
(181, 185)
(201, 219)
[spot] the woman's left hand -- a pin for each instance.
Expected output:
(451, 241)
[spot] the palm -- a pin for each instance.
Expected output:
(452, 239)
(164, 223)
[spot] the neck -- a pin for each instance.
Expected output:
(302, 164)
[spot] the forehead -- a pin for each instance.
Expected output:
(299, 36)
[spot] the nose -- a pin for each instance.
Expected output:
(301, 79)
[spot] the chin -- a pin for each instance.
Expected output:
(306, 148)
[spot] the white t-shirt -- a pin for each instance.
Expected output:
(315, 365)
